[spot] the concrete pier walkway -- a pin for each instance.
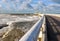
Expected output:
(53, 28)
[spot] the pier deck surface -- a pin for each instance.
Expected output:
(53, 28)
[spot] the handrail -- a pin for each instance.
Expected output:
(32, 34)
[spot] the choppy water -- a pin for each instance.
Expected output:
(16, 30)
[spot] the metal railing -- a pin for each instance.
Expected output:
(32, 34)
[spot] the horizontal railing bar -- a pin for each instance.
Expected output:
(32, 34)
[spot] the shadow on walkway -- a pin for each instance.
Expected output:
(53, 28)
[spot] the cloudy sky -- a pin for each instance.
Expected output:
(24, 6)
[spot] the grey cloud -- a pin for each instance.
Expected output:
(57, 1)
(53, 8)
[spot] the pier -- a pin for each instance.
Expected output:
(37, 27)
